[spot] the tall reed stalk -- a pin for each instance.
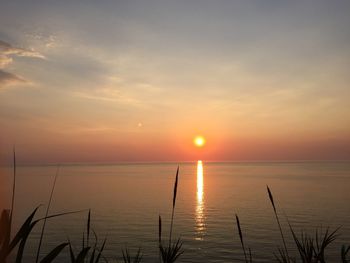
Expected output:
(278, 222)
(46, 214)
(174, 250)
(13, 190)
(160, 237)
(174, 202)
(241, 238)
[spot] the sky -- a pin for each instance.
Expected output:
(115, 81)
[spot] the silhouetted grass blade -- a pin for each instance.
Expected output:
(46, 214)
(82, 255)
(88, 228)
(5, 226)
(174, 202)
(92, 257)
(100, 251)
(54, 253)
(159, 236)
(171, 253)
(24, 230)
(4, 220)
(71, 252)
(175, 186)
(344, 251)
(241, 238)
(323, 243)
(127, 258)
(271, 198)
(85, 250)
(61, 214)
(159, 229)
(23, 242)
(13, 189)
(281, 257)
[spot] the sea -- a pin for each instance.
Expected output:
(126, 199)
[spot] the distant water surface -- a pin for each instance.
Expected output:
(126, 199)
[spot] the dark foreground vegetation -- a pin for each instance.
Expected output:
(311, 248)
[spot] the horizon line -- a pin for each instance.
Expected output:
(173, 162)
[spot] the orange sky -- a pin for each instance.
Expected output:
(127, 81)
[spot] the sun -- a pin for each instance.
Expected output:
(199, 141)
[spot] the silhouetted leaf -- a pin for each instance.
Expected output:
(54, 253)
(82, 255)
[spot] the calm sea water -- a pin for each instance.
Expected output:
(126, 199)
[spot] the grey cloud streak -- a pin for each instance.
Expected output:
(7, 78)
(7, 52)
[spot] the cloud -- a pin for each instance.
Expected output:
(7, 52)
(7, 78)
(5, 60)
(7, 49)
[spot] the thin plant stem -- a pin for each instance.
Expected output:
(278, 222)
(46, 214)
(13, 189)
(160, 237)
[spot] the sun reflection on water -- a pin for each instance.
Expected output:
(200, 224)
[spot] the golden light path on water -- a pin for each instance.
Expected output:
(200, 224)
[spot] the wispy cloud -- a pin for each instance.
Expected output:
(7, 49)
(108, 95)
(7, 52)
(7, 78)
